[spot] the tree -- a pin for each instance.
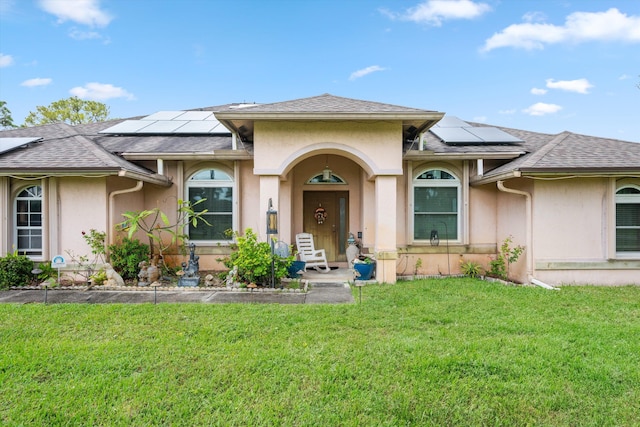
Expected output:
(73, 111)
(6, 121)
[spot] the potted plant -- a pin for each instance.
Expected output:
(364, 267)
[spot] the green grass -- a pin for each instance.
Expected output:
(433, 352)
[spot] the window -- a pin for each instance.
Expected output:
(28, 221)
(319, 179)
(216, 187)
(628, 220)
(436, 201)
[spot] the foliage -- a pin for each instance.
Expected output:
(253, 259)
(417, 266)
(98, 278)
(46, 271)
(470, 268)
(6, 121)
(85, 265)
(499, 267)
(156, 225)
(438, 352)
(126, 255)
(15, 270)
(73, 111)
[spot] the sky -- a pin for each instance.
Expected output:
(541, 65)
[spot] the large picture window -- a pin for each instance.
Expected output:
(216, 186)
(436, 201)
(628, 220)
(28, 221)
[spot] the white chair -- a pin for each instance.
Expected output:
(312, 257)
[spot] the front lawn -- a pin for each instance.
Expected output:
(432, 352)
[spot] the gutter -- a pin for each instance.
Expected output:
(112, 195)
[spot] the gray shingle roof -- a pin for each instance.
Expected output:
(325, 103)
(62, 149)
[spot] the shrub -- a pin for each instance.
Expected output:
(15, 270)
(253, 260)
(507, 255)
(126, 255)
(470, 268)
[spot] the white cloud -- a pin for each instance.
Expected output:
(579, 85)
(365, 71)
(85, 12)
(540, 109)
(579, 27)
(100, 92)
(538, 91)
(513, 111)
(77, 34)
(433, 12)
(534, 17)
(624, 77)
(5, 60)
(480, 119)
(36, 82)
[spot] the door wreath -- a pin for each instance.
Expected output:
(320, 214)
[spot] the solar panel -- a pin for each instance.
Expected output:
(164, 115)
(163, 126)
(196, 115)
(128, 126)
(202, 126)
(451, 122)
(8, 144)
(456, 135)
(491, 134)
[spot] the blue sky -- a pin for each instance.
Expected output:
(545, 66)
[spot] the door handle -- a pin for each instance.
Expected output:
(333, 228)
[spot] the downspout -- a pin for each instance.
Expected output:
(112, 195)
(529, 234)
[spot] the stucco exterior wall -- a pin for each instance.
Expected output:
(82, 206)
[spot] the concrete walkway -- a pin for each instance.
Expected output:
(325, 288)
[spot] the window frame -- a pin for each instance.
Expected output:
(230, 183)
(456, 182)
(625, 198)
(16, 227)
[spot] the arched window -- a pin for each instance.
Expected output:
(28, 221)
(216, 186)
(628, 220)
(436, 205)
(320, 179)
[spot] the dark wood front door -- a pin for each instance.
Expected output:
(331, 234)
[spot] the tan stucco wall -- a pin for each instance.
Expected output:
(82, 206)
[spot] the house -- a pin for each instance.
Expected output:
(395, 177)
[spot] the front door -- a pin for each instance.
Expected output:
(329, 233)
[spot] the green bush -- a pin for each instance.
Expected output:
(126, 255)
(15, 270)
(470, 268)
(253, 260)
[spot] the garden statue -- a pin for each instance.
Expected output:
(113, 278)
(190, 270)
(143, 275)
(153, 272)
(230, 281)
(352, 251)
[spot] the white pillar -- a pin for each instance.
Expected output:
(385, 225)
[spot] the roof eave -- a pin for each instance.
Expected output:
(208, 155)
(422, 154)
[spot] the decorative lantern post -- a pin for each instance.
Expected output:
(272, 229)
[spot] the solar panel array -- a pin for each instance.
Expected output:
(8, 144)
(453, 131)
(171, 123)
